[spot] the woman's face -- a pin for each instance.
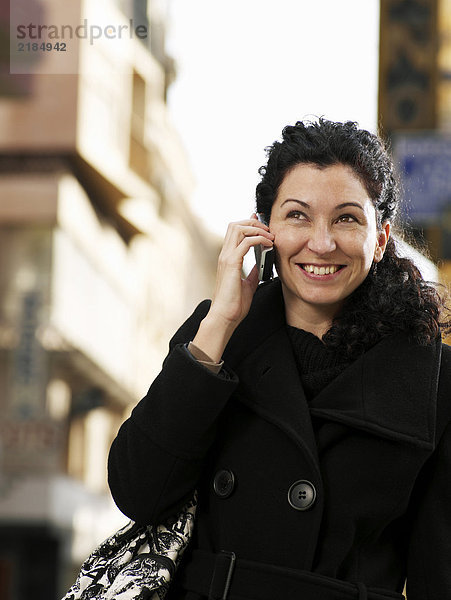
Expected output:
(326, 236)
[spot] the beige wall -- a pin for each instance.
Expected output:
(92, 165)
(444, 61)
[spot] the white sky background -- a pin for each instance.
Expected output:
(246, 68)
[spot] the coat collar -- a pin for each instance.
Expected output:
(390, 391)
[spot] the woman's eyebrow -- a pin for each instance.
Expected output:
(338, 207)
(345, 204)
(301, 202)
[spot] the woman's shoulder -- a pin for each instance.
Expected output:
(444, 388)
(186, 332)
(267, 299)
(445, 368)
(445, 364)
(446, 352)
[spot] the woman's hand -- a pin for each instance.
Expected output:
(233, 294)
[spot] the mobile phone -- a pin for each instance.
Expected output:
(264, 257)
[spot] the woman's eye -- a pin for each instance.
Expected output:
(296, 214)
(347, 219)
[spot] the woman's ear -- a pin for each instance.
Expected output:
(382, 239)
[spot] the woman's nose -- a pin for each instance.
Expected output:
(321, 240)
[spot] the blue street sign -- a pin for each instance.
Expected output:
(424, 167)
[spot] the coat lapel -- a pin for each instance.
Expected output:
(270, 384)
(390, 391)
(261, 355)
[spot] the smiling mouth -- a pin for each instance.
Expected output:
(321, 269)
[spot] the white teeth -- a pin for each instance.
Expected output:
(329, 270)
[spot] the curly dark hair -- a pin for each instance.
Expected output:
(393, 297)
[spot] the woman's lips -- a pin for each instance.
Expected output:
(320, 271)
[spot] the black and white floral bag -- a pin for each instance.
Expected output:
(137, 562)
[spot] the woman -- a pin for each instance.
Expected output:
(321, 445)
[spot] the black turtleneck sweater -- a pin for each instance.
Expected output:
(317, 365)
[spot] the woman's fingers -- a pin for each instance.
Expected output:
(247, 227)
(233, 255)
(233, 293)
(254, 231)
(247, 242)
(240, 237)
(245, 234)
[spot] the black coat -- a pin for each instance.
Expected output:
(373, 450)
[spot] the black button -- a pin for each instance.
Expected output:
(223, 483)
(302, 495)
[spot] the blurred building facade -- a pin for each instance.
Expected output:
(415, 113)
(100, 260)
